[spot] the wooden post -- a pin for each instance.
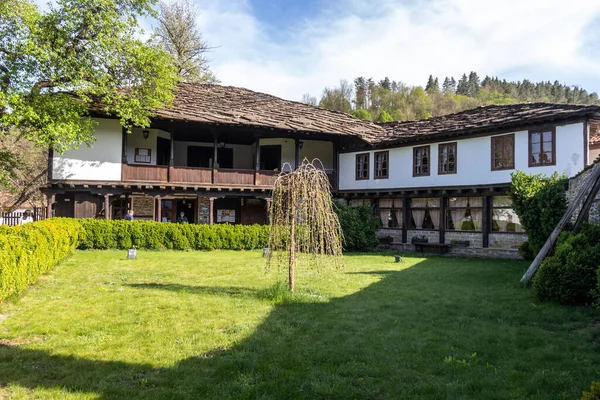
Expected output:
(211, 208)
(107, 206)
(487, 220)
(584, 193)
(214, 164)
(442, 227)
(256, 159)
(158, 210)
(406, 219)
(124, 152)
(49, 197)
(171, 156)
(297, 154)
(336, 155)
(50, 163)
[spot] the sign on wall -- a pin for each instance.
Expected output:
(143, 207)
(226, 216)
(203, 210)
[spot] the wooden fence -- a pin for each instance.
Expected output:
(14, 218)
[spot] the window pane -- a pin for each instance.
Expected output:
(536, 148)
(501, 201)
(535, 138)
(505, 220)
(547, 157)
(547, 136)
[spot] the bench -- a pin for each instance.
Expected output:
(439, 248)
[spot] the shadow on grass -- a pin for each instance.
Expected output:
(392, 339)
(210, 290)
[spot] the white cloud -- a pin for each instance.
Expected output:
(405, 42)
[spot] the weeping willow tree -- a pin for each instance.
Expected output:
(304, 227)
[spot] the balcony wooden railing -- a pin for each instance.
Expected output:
(266, 178)
(191, 175)
(144, 173)
(234, 176)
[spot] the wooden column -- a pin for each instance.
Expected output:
(50, 163)
(171, 156)
(158, 210)
(405, 219)
(107, 206)
(487, 220)
(211, 209)
(336, 155)
(297, 154)
(442, 226)
(214, 164)
(256, 159)
(50, 199)
(268, 200)
(124, 151)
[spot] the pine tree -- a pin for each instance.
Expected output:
(463, 86)
(446, 86)
(473, 84)
(430, 84)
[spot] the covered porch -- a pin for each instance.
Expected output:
(204, 154)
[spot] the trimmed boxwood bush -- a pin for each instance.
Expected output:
(30, 250)
(105, 234)
(570, 275)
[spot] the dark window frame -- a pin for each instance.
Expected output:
(448, 172)
(450, 208)
(356, 170)
(137, 154)
(415, 149)
(385, 153)
(391, 210)
(501, 138)
(530, 154)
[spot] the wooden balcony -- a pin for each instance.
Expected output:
(234, 176)
(144, 173)
(190, 175)
(266, 178)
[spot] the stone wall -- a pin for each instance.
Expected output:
(475, 239)
(575, 185)
(507, 240)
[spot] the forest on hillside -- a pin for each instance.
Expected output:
(389, 100)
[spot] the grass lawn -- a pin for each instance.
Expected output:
(174, 325)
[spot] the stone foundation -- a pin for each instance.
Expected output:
(575, 185)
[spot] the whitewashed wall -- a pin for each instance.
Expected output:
(136, 140)
(100, 162)
(288, 149)
(243, 155)
(473, 162)
(312, 149)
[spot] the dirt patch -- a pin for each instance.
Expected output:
(3, 317)
(20, 341)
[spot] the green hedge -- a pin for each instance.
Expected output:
(104, 234)
(28, 251)
(570, 275)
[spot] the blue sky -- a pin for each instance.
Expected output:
(291, 47)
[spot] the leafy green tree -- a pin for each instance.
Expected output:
(54, 64)
(363, 114)
(338, 98)
(178, 35)
(385, 116)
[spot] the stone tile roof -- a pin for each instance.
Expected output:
(483, 119)
(228, 105)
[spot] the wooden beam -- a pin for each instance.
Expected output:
(107, 206)
(583, 194)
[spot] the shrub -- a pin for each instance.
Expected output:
(593, 394)
(540, 202)
(525, 251)
(105, 234)
(570, 275)
(359, 226)
(28, 251)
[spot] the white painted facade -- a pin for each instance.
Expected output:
(136, 140)
(99, 162)
(473, 162)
